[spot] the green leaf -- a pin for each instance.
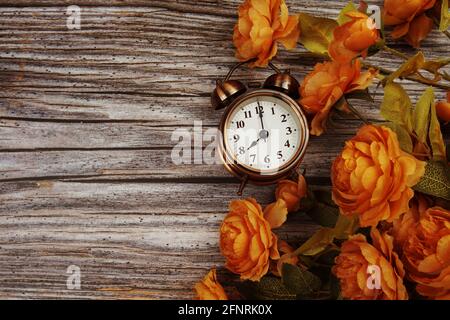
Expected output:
(396, 106)
(445, 16)
(324, 196)
(408, 67)
(345, 226)
(421, 114)
(436, 180)
(359, 95)
(328, 256)
(433, 66)
(268, 288)
(414, 64)
(308, 202)
(342, 18)
(335, 287)
(301, 282)
(316, 33)
(341, 105)
(306, 261)
(324, 214)
(448, 151)
(435, 136)
(404, 138)
(380, 44)
(317, 243)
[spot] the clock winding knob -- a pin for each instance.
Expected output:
(283, 82)
(225, 92)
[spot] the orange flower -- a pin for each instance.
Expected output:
(246, 240)
(409, 19)
(261, 24)
(401, 226)
(443, 109)
(353, 38)
(426, 253)
(276, 213)
(354, 263)
(329, 81)
(209, 288)
(372, 177)
(291, 192)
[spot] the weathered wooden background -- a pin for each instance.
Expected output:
(86, 118)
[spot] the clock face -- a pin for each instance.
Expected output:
(264, 133)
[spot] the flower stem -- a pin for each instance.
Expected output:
(313, 55)
(437, 24)
(357, 113)
(405, 57)
(446, 33)
(395, 52)
(387, 71)
(411, 77)
(444, 76)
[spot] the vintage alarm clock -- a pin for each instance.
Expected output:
(264, 132)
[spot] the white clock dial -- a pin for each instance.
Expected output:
(263, 133)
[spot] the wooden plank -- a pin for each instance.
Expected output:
(117, 234)
(44, 150)
(61, 197)
(35, 104)
(36, 135)
(138, 165)
(49, 150)
(86, 118)
(142, 71)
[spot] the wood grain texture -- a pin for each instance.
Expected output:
(86, 123)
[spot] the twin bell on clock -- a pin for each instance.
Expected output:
(264, 132)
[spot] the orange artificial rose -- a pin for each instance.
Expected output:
(400, 227)
(409, 19)
(291, 192)
(372, 177)
(276, 213)
(261, 24)
(443, 109)
(426, 251)
(246, 240)
(326, 84)
(353, 267)
(209, 288)
(353, 38)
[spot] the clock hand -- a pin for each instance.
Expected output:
(260, 113)
(263, 134)
(254, 143)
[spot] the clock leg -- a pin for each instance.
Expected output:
(242, 186)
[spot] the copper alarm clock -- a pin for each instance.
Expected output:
(264, 132)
